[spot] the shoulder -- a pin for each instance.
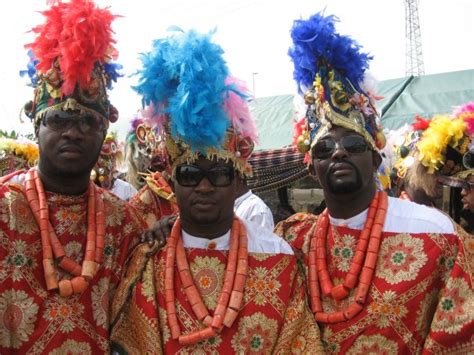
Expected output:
(296, 223)
(119, 211)
(262, 240)
(408, 217)
(297, 229)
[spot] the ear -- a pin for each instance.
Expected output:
(376, 160)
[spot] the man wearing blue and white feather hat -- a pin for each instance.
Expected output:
(221, 285)
(383, 275)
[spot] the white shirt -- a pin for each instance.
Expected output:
(260, 240)
(250, 207)
(404, 217)
(123, 189)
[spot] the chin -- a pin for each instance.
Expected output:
(345, 188)
(204, 218)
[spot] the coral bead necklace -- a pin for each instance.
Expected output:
(362, 265)
(53, 251)
(230, 298)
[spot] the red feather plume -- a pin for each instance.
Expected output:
(79, 34)
(421, 124)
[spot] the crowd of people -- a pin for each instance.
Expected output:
(175, 254)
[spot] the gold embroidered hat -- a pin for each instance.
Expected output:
(199, 108)
(329, 70)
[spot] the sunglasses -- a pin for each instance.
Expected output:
(191, 175)
(324, 148)
(85, 123)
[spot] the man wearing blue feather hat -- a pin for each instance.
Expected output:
(221, 285)
(383, 275)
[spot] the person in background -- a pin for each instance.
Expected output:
(105, 170)
(250, 207)
(64, 240)
(384, 275)
(156, 198)
(405, 175)
(222, 284)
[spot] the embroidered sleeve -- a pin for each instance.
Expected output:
(300, 332)
(297, 229)
(135, 321)
(452, 327)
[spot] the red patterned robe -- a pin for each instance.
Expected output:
(152, 201)
(421, 299)
(34, 320)
(274, 317)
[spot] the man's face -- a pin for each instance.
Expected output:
(345, 164)
(69, 143)
(205, 203)
(467, 194)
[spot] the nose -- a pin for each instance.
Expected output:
(73, 132)
(204, 186)
(339, 152)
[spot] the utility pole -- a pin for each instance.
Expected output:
(414, 55)
(253, 84)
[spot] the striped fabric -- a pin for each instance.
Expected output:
(276, 168)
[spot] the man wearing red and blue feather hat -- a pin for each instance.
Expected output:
(221, 285)
(383, 275)
(63, 240)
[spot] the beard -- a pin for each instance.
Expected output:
(344, 187)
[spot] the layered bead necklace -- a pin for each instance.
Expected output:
(53, 251)
(362, 265)
(230, 298)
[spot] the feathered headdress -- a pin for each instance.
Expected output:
(446, 146)
(71, 57)
(197, 106)
(329, 70)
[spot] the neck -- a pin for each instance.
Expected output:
(349, 205)
(207, 231)
(64, 185)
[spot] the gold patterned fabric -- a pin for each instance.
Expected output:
(34, 320)
(274, 317)
(151, 206)
(421, 299)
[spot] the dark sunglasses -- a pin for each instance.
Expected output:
(191, 175)
(324, 148)
(85, 123)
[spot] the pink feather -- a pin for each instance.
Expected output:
(153, 119)
(466, 111)
(237, 109)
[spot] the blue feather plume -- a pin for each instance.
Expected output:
(316, 43)
(112, 71)
(31, 69)
(184, 75)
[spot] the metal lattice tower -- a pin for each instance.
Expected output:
(414, 54)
